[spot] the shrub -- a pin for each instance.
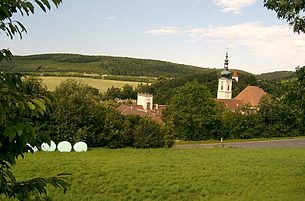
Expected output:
(148, 134)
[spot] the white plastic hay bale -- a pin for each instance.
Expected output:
(45, 147)
(48, 147)
(35, 149)
(52, 146)
(80, 147)
(64, 146)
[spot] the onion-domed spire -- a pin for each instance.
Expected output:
(227, 61)
(226, 73)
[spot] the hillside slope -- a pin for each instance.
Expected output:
(97, 64)
(277, 75)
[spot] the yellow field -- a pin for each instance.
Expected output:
(102, 85)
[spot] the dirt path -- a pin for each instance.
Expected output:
(299, 142)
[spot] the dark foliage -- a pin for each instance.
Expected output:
(127, 92)
(192, 112)
(278, 115)
(19, 106)
(119, 66)
(80, 115)
(292, 11)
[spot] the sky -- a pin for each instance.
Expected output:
(194, 32)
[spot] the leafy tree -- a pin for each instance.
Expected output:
(240, 124)
(16, 110)
(128, 92)
(144, 88)
(34, 86)
(18, 105)
(77, 114)
(294, 97)
(115, 134)
(290, 10)
(80, 115)
(192, 112)
(148, 134)
(276, 118)
(113, 93)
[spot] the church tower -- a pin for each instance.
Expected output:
(225, 82)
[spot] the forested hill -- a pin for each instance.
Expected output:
(97, 64)
(277, 75)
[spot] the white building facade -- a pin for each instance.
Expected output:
(145, 100)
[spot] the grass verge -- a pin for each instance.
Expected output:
(171, 174)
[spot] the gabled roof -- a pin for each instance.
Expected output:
(231, 104)
(235, 74)
(251, 95)
(155, 114)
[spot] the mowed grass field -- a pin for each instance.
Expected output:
(102, 85)
(173, 174)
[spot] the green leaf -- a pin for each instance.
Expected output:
(10, 132)
(57, 2)
(47, 100)
(21, 26)
(4, 11)
(46, 3)
(2, 115)
(30, 105)
(39, 104)
(41, 5)
(19, 128)
(30, 6)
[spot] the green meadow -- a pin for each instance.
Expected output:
(102, 85)
(173, 174)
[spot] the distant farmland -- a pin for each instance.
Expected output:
(102, 85)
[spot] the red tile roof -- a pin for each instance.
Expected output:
(235, 74)
(231, 104)
(251, 95)
(155, 114)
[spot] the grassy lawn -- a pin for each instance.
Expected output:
(102, 85)
(173, 174)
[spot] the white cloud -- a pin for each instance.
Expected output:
(276, 42)
(165, 31)
(111, 18)
(233, 5)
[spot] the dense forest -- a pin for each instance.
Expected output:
(96, 64)
(276, 76)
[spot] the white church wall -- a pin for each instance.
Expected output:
(146, 100)
(224, 88)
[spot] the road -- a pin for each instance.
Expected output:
(298, 142)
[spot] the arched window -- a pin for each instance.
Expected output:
(221, 87)
(148, 106)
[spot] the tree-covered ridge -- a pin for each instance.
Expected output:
(118, 66)
(97, 64)
(276, 76)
